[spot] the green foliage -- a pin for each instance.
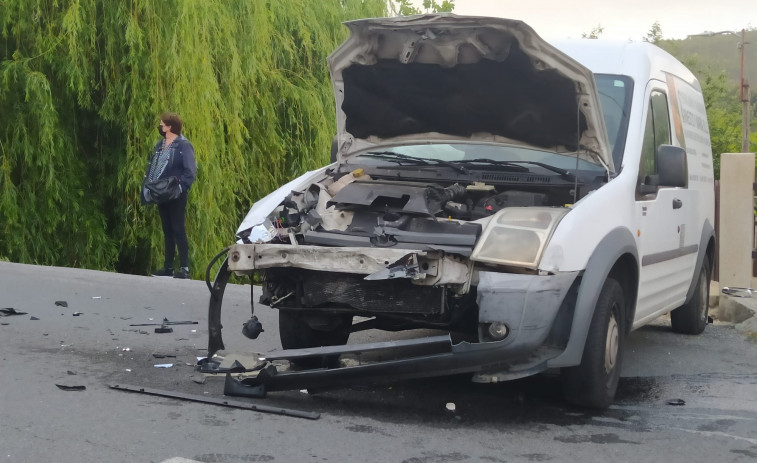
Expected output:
(721, 97)
(594, 33)
(82, 83)
(406, 8)
(719, 52)
(655, 33)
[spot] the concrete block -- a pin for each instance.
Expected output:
(736, 219)
(736, 309)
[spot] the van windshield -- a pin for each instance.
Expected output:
(615, 98)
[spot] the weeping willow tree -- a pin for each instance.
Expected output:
(82, 83)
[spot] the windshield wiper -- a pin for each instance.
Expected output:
(509, 164)
(391, 155)
(514, 166)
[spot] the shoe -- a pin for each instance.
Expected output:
(164, 272)
(182, 273)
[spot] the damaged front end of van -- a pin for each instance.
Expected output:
(462, 143)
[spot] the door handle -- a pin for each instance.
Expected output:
(677, 203)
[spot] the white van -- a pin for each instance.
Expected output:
(532, 204)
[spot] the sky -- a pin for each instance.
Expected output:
(620, 19)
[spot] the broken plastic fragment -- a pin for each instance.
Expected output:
(8, 311)
(262, 233)
(71, 372)
(676, 402)
(162, 356)
(61, 303)
(164, 365)
(33, 318)
(76, 314)
(126, 349)
(96, 297)
(450, 406)
(71, 388)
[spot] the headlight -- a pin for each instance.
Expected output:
(517, 236)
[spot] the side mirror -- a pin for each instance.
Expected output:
(334, 149)
(671, 166)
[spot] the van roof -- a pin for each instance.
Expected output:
(638, 60)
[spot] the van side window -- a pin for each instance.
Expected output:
(656, 133)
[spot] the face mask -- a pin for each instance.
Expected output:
(161, 132)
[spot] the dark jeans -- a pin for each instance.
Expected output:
(173, 217)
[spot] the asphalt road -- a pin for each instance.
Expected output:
(715, 374)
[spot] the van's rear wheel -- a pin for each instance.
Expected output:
(593, 383)
(691, 318)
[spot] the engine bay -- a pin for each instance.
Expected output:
(355, 208)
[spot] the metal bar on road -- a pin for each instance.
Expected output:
(221, 402)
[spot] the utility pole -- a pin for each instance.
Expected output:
(745, 97)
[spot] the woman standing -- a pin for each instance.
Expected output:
(173, 156)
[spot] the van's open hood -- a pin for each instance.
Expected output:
(447, 77)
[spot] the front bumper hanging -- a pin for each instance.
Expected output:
(409, 359)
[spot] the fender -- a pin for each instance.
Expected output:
(708, 233)
(615, 244)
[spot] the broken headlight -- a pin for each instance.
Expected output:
(517, 236)
(261, 233)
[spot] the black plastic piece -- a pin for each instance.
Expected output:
(71, 388)
(232, 387)
(252, 328)
(8, 311)
(215, 341)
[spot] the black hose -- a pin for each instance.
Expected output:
(210, 266)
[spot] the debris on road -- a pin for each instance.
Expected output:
(71, 388)
(33, 318)
(69, 372)
(162, 356)
(76, 314)
(164, 365)
(233, 387)
(164, 328)
(676, 402)
(219, 402)
(61, 303)
(9, 311)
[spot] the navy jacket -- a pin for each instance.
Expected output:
(182, 163)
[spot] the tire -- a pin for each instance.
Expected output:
(691, 318)
(593, 383)
(296, 333)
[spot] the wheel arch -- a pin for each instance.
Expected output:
(616, 255)
(626, 272)
(706, 251)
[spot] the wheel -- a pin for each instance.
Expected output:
(593, 383)
(296, 333)
(691, 318)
